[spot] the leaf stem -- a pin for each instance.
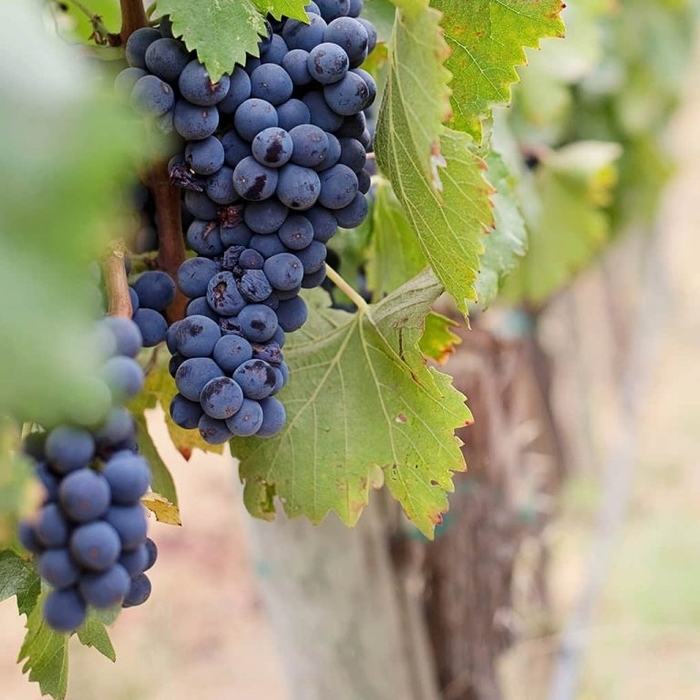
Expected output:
(100, 33)
(133, 17)
(171, 244)
(116, 282)
(344, 287)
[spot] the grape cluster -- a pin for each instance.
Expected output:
(90, 534)
(273, 162)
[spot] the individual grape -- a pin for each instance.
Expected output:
(152, 326)
(193, 374)
(125, 333)
(28, 538)
(235, 148)
(275, 51)
(139, 591)
(229, 261)
(51, 527)
(284, 271)
(324, 223)
(265, 217)
(214, 431)
(298, 187)
(197, 87)
(200, 206)
(107, 588)
(296, 64)
(256, 378)
(356, 7)
(314, 279)
(272, 147)
(258, 322)
(221, 398)
(126, 79)
(239, 234)
(117, 432)
(371, 34)
(267, 246)
(279, 381)
(369, 82)
(134, 561)
(272, 301)
(320, 113)
(254, 286)
(338, 187)
(328, 63)
(247, 420)
(231, 351)
(331, 9)
(274, 417)
(197, 336)
(252, 116)
(352, 154)
(300, 35)
(123, 375)
(64, 609)
(238, 91)
(167, 58)
(204, 238)
(152, 97)
(296, 232)
(278, 337)
(312, 8)
(254, 181)
(57, 568)
(364, 181)
(205, 157)
(84, 495)
(250, 259)
(128, 476)
(219, 186)
(156, 290)
(348, 96)
(271, 82)
(354, 213)
(194, 122)
(152, 551)
(69, 448)
(292, 113)
(130, 524)
(95, 546)
(48, 480)
(194, 274)
(333, 155)
(270, 352)
(197, 307)
(137, 45)
(310, 145)
(185, 413)
(135, 305)
(353, 127)
(351, 35)
(292, 314)
(223, 295)
(312, 257)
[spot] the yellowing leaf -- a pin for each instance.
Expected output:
(165, 511)
(438, 340)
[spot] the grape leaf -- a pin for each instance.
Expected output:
(53, 189)
(287, 8)
(360, 396)
(381, 14)
(18, 577)
(438, 341)
(507, 242)
(165, 511)
(93, 633)
(220, 31)
(569, 225)
(45, 656)
(487, 39)
(394, 255)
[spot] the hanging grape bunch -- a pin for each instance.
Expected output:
(273, 162)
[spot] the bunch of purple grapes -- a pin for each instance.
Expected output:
(272, 163)
(90, 535)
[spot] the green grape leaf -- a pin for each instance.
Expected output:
(381, 14)
(18, 577)
(487, 39)
(360, 397)
(45, 656)
(507, 242)
(220, 31)
(93, 633)
(394, 255)
(438, 340)
(287, 8)
(449, 222)
(568, 225)
(52, 174)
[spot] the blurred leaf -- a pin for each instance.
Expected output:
(438, 341)
(92, 633)
(73, 23)
(18, 577)
(165, 511)
(381, 14)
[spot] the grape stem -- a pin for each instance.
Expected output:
(171, 244)
(116, 282)
(101, 35)
(133, 18)
(344, 287)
